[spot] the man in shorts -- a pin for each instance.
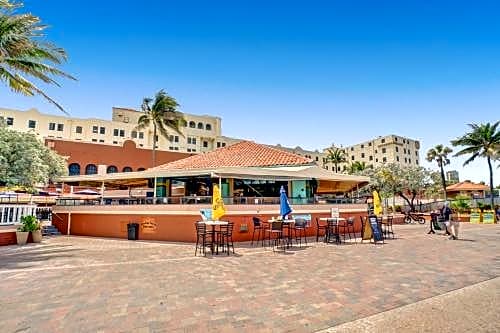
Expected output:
(451, 226)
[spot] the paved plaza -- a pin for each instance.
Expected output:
(79, 284)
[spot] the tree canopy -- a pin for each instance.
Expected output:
(26, 162)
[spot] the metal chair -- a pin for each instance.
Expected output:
(332, 230)
(258, 226)
(320, 227)
(300, 225)
(225, 237)
(350, 228)
(201, 238)
(276, 230)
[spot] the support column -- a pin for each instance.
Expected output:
(69, 224)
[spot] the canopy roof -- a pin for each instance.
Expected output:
(244, 160)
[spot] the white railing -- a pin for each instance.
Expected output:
(11, 214)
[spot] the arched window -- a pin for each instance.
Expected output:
(141, 169)
(208, 127)
(90, 169)
(200, 126)
(111, 169)
(74, 169)
(127, 169)
(192, 124)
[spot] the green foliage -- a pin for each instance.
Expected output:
(29, 223)
(357, 167)
(482, 141)
(161, 113)
(26, 162)
(25, 55)
(336, 156)
(461, 204)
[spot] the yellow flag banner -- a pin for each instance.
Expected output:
(377, 204)
(218, 209)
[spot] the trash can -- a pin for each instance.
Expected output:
(133, 231)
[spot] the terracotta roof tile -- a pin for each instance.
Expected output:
(241, 154)
(467, 186)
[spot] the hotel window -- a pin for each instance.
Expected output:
(91, 169)
(416, 162)
(78, 129)
(200, 126)
(223, 144)
(189, 150)
(406, 160)
(31, 123)
(205, 144)
(115, 132)
(127, 169)
(141, 169)
(362, 155)
(156, 138)
(141, 135)
(115, 142)
(404, 141)
(111, 169)
(352, 148)
(397, 150)
(383, 140)
(192, 124)
(383, 150)
(94, 140)
(352, 158)
(409, 152)
(317, 158)
(376, 151)
(362, 146)
(176, 138)
(208, 127)
(102, 130)
(191, 141)
(101, 140)
(416, 153)
(384, 159)
(60, 127)
(171, 138)
(218, 144)
(74, 169)
(95, 129)
(369, 144)
(170, 148)
(326, 167)
(176, 148)
(370, 158)
(376, 160)
(52, 126)
(10, 121)
(409, 160)
(133, 134)
(404, 151)
(122, 133)
(397, 158)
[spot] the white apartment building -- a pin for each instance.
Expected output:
(200, 133)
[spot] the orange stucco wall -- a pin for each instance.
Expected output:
(178, 228)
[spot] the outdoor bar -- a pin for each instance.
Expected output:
(166, 200)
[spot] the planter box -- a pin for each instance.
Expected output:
(37, 236)
(22, 237)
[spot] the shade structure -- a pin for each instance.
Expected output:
(285, 208)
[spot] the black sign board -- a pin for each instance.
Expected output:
(377, 233)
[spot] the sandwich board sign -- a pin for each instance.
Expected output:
(377, 233)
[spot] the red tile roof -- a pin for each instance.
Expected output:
(466, 186)
(241, 154)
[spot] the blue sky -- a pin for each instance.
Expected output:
(303, 73)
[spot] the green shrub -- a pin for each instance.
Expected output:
(29, 223)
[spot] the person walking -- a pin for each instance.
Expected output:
(451, 226)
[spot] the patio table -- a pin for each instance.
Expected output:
(213, 224)
(287, 223)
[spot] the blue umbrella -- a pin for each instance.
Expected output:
(285, 208)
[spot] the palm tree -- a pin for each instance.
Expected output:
(440, 155)
(24, 55)
(336, 156)
(357, 167)
(483, 141)
(161, 112)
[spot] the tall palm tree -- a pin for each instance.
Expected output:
(482, 141)
(336, 156)
(24, 55)
(160, 112)
(357, 167)
(440, 154)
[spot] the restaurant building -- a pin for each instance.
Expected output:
(168, 198)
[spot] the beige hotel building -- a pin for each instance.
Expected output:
(201, 133)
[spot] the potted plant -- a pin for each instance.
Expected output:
(462, 206)
(36, 231)
(22, 232)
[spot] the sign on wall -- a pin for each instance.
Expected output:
(148, 225)
(335, 212)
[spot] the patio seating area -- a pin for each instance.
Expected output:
(154, 286)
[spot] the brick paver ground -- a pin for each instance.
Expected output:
(77, 284)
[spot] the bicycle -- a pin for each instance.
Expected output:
(412, 218)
